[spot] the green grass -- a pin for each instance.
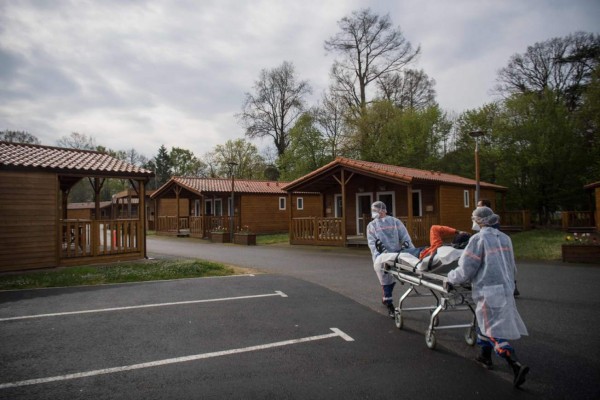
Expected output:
(137, 271)
(272, 239)
(538, 244)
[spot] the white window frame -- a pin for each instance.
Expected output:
(220, 208)
(393, 210)
(299, 203)
(358, 215)
(337, 210)
(282, 203)
(230, 209)
(420, 193)
(466, 198)
(197, 208)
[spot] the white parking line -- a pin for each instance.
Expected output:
(336, 333)
(277, 293)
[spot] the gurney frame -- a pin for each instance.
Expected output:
(447, 298)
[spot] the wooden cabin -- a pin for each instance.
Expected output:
(87, 210)
(125, 204)
(35, 228)
(195, 206)
(417, 197)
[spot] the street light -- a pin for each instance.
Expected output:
(476, 135)
(231, 165)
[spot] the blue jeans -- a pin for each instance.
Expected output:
(387, 293)
(501, 346)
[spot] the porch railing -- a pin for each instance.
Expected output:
(91, 238)
(197, 226)
(420, 228)
(578, 220)
(515, 220)
(317, 231)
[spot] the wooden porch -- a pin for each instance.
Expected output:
(99, 240)
(198, 227)
(322, 231)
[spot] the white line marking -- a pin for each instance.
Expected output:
(336, 333)
(277, 293)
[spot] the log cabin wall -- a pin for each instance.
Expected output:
(168, 207)
(261, 213)
(454, 211)
(28, 218)
(81, 213)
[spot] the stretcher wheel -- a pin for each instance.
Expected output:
(430, 339)
(471, 337)
(398, 320)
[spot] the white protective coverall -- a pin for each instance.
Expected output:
(392, 233)
(488, 263)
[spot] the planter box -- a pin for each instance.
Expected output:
(248, 239)
(220, 237)
(581, 253)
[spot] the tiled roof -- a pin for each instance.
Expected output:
(223, 185)
(20, 155)
(404, 174)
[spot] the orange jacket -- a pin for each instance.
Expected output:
(435, 238)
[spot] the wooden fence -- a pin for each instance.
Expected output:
(92, 238)
(317, 231)
(194, 226)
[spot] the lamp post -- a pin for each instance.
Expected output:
(232, 164)
(476, 135)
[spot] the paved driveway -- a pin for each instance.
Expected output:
(311, 327)
(559, 304)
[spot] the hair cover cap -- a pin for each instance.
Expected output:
(485, 216)
(379, 206)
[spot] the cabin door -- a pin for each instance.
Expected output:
(363, 207)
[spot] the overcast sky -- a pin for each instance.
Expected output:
(138, 74)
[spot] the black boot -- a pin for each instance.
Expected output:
(485, 358)
(516, 293)
(391, 310)
(519, 370)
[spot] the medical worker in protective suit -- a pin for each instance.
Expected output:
(393, 237)
(488, 263)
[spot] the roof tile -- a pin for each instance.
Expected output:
(57, 158)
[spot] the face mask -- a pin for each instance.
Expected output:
(475, 227)
(374, 214)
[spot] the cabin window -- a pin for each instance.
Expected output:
(208, 207)
(388, 199)
(218, 207)
(338, 206)
(300, 203)
(417, 203)
(466, 198)
(282, 203)
(197, 208)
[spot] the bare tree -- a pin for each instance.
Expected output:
(275, 105)
(77, 141)
(410, 89)
(331, 115)
(562, 65)
(371, 48)
(18, 137)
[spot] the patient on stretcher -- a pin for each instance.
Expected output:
(437, 257)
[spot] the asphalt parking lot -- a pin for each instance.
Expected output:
(310, 325)
(262, 336)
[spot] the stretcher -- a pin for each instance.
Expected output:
(427, 278)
